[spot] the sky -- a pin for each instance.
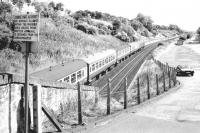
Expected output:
(184, 13)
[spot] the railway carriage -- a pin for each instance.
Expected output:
(136, 46)
(70, 72)
(91, 67)
(123, 52)
(99, 62)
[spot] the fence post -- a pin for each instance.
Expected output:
(169, 75)
(164, 81)
(10, 80)
(175, 77)
(157, 88)
(125, 93)
(79, 105)
(96, 96)
(108, 97)
(148, 89)
(37, 121)
(138, 91)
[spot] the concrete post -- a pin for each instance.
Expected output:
(138, 90)
(125, 93)
(37, 120)
(108, 97)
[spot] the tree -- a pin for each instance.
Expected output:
(136, 24)
(145, 20)
(198, 31)
(59, 7)
(198, 34)
(5, 7)
(116, 24)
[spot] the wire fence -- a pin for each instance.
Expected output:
(69, 105)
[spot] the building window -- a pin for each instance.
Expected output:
(73, 78)
(78, 75)
(93, 67)
(66, 79)
(90, 69)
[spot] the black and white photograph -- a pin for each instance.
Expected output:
(99, 66)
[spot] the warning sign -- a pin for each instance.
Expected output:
(26, 27)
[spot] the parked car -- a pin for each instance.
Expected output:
(183, 72)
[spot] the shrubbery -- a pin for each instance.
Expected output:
(5, 36)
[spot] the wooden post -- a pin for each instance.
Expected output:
(138, 90)
(148, 89)
(108, 97)
(169, 75)
(79, 105)
(157, 88)
(173, 73)
(164, 88)
(125, 93)
(37, 120)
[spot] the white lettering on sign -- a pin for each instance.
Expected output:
(26, 27)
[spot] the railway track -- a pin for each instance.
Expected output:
(118, 74)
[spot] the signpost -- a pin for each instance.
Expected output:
(26, 29)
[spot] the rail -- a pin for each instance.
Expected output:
(125, 75)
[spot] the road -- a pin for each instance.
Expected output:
(178, 111)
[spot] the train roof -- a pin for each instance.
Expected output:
(97, 56)
(123, 46)
(59, 71)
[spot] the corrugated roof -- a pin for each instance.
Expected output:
(59, 71)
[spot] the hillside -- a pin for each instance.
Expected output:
(72, 35)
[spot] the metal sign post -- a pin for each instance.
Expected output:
(26, 87)
(26, 30)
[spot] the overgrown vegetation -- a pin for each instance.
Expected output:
(65, 35)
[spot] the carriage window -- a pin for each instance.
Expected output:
(100, 62)
(66, 79)
(78, 75)
(97, 65)
(82, 73)
(93, 67)
(73, 78)
(106, 60)
(109, 59)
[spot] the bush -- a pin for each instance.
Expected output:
(92, 31)
(5, 36)
(101, 32)
(81, 27)
(116, 24)
(136, 24)
(122, 36)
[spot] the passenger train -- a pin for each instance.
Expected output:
(91, 67)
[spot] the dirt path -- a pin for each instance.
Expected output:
(177, 112)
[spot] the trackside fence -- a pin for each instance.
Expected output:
(53, 103)
(144, 87)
